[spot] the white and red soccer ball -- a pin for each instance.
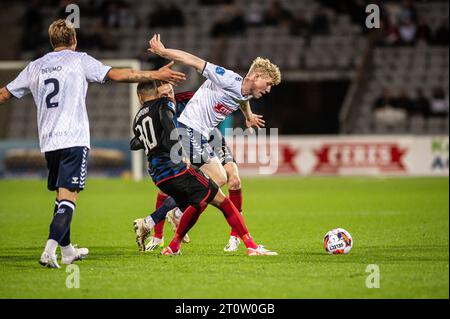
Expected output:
(337, 241)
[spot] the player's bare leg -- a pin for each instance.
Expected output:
(221, 175)
(215, 171)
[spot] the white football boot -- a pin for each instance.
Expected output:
(142, 232)
(154, 243)
(78, 254)
(173, 217)
(233, 244)
(260, 251)
(48, 260)
(167, 251)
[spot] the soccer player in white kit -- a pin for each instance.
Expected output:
(58, 82)
(222, 93)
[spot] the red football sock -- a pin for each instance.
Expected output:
(159, 227)
(236, 198)
(188, 219)
(235, 220)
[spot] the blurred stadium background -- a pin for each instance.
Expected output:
(372, 91)
(353, 101)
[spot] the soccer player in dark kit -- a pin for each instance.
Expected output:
(155, 132)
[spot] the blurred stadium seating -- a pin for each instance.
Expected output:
(308, 38)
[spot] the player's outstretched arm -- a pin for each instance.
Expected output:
(5, 96)
(135, 76)
(157, 47)
(251, 119)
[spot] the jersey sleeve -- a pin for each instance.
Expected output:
(94, 70)
(136, 144)
(20, 86)
(226, 79)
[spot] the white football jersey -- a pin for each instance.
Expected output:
(58, 82)
(218, 97)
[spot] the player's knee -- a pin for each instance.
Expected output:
(234, 182)
(218, 199)
(169, 203)
(221, 180)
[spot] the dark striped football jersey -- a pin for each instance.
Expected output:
(155, 132)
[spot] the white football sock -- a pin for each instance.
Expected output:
(67, 250)
(150, 222)
(50, 246)
(177, 213)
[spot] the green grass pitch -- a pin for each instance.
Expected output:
(399, 224)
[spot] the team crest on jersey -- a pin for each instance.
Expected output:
(220, 71)
(171, 105)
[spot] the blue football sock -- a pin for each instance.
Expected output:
(61, 222)
(161, 212)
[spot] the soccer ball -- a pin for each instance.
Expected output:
(337, 241)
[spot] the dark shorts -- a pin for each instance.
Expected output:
(67, 168)
(191, 188)
(200, 149)
(219, 145)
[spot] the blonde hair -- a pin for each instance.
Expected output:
(265, 67)
(61, 33)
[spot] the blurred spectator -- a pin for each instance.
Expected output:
(215, 2)
(439, 103)
(230, 23)
(391, 35)
(33, 16)
(385, 111)
(166, 15)
(97, 37)
(276, 15)
(111, 15)
(408, 12)
(255, 14)
(94, 8)
(407, 32)
(126, 16)
(421, 104)
(357, 12)
(299, 24)
(385, 100)
(441, 35)
(404, 102)
(423, 31)
(32, 39)
(320, 24)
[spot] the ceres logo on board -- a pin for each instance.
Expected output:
(387, 157)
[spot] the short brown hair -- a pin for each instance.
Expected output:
(150, 88)
(265, 67)
(61, 32)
